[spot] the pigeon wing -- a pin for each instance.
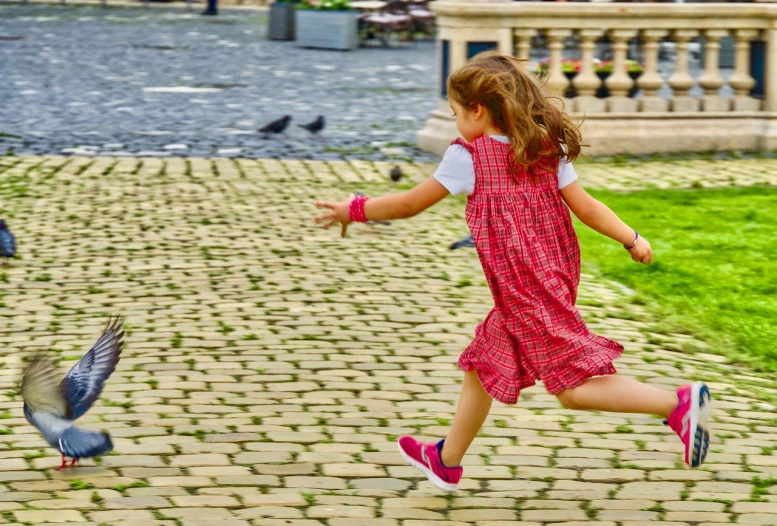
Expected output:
(84, 383)
(78, 443)
(40, 387)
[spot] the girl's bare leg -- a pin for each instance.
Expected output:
(473, 408)
(619, 394)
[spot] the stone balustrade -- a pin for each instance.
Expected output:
(635, 104)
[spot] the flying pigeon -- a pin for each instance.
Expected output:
(7, 243)
(278, 126)
(466, 242)
(396, 174)
(316, 126)
(379, 222)
(52, 405)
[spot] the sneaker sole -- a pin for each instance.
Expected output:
(434, 479)
(700, 416)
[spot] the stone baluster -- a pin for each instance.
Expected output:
(587, 82)
(711, 80)
(651, 80)
(681, 81)
(523, 38)
(741, 81)
(458, 56)
(557, 82)
(769, 138)
(619, 83)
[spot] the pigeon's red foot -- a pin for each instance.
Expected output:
(65, 465)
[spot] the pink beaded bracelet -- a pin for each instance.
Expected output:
(356, 209)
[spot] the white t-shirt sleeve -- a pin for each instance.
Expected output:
(566, 173)
(456, 172)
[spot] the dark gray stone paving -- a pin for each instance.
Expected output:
(89, 80)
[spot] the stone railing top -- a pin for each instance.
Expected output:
(654, 15)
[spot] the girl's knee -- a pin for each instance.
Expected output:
(568, 399)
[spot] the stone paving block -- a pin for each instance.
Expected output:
(612, 475)
(38, 516)
(651, 490)
(697, 516)
(215, 501)
(754, 507)
(197, 513)
(183, 481)
(758, 518)
(480, 515)
(553, 515)
(626, 515)
(136, 502)
(221, 522)
(327, 511)
(111, 517)
(274, 512)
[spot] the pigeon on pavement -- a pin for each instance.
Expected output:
(316, 126)
(7, 243)
(277, 126)
(52, 405)
(465, 242)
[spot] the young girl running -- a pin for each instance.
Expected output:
(514, 164)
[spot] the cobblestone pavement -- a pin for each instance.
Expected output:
(269, 366)
(124, 81)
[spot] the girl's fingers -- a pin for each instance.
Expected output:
(324, 204)
(324, 217)
(328, 224)
(344, 230)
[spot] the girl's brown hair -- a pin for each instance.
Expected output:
(538, 129)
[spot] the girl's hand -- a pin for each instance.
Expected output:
(642, 253)
(339, 214)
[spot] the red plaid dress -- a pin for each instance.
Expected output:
(529, 252)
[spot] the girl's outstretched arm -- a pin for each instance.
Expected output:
(599, 217)
(392, 206)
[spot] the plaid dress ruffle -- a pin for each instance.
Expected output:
(531, 258)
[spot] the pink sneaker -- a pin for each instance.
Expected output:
(427, 458)
(690, 421)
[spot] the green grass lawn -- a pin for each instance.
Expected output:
(714, 272)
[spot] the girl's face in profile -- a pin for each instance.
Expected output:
(471, 122)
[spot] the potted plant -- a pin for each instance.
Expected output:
(570, 68)
(282, 19)
(327, 24)
(603, 69)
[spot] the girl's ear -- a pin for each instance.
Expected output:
(478, 110)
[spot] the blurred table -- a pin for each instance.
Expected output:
(368, 5)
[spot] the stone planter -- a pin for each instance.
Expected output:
(603, 92)
(635, 89)
(328, 29)
(282, 21)
(571, 92)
